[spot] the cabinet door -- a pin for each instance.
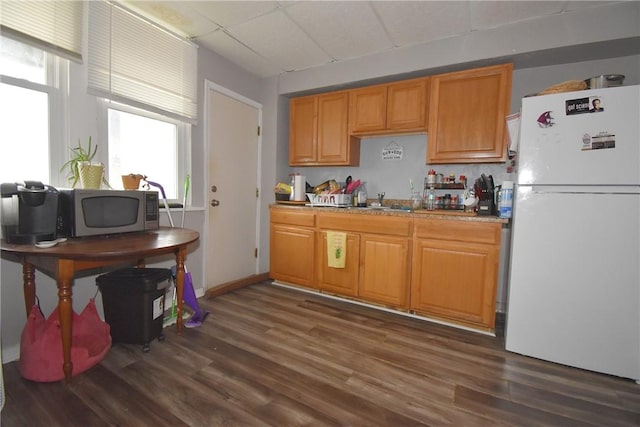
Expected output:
(342, 281)
(455, 280)
(333, 128)
(292, 255)
(368, 109)
(303, 130)
(407, 105)
(384, 272)
(467, 113)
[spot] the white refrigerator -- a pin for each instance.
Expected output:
(574, 283)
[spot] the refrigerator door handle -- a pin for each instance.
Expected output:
(584, 189)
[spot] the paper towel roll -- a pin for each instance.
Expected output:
(299, 188)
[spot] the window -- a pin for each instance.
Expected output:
(140, 142)
(146, 76)
(30, 112)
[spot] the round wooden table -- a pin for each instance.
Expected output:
(63, 260)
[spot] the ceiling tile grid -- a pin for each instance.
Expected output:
(271, 37)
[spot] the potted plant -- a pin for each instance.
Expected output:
(81, 168)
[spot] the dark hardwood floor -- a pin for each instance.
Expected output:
(273, 356)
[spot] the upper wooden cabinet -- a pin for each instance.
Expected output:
(319, 131)
(390, 108)
(467, 115)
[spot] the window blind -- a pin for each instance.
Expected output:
(136, 62)
(55, 26)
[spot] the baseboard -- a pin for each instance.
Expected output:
(236, 284)
(10, 353)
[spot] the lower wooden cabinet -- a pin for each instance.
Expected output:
(439, 268)
(376, 269)
(455, 271)
(377, 263)
(342, 281)
(292, 245)
(384, 271)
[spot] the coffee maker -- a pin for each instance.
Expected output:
(28, 212)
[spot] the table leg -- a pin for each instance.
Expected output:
(29, 285)
(180, 254)
(65, 310)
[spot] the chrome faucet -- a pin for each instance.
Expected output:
(380, 197)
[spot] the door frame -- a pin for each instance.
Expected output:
(210, 86)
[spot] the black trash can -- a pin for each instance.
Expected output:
(133, 303)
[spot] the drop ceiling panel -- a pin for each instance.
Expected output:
(341, 29)
(231, 49)
(179, 17)
(573, 5)
(415, 22)
(490, 14)
(276, 37)
(228, 13)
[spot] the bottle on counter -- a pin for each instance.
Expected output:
(362, 196)
(447, 201)
(505, 206)
(430, 199)
(431, 178)
(293, 182)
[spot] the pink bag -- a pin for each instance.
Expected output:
(41, 344)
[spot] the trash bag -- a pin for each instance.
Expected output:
(41, 343)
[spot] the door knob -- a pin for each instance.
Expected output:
(215, 202)
(214, 188)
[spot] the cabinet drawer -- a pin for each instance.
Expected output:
(293, 217)
(362, 223)
(464, 231)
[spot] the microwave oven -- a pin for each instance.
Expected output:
(86, 212)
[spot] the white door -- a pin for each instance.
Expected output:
(232, 187)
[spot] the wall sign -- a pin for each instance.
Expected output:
(393, 151)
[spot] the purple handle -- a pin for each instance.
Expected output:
(155, 184)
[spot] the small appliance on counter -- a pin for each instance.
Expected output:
(484, 189)
(29, 212)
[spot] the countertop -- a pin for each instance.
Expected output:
(455, 215)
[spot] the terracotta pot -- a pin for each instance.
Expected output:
(131, 181)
